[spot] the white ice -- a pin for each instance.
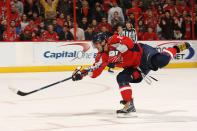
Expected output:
(89, 105)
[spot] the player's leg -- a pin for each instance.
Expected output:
(162, 59)
(125, 77)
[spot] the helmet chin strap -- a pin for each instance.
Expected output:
(103, 47)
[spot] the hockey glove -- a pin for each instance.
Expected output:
(77, 75)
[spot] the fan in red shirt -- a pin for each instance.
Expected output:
(136, 60)
(134, 10)
(13, 35)
(150, 35)
(105, 23)
(107, 4)
(14, 15)
(3, 10)
(150, 20)
(183, 7)
(31, 26)
(36, 19)
(51, 35)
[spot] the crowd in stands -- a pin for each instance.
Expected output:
(52, 20)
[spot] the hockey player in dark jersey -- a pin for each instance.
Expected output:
(137, 60)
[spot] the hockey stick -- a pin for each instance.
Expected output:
(21, 93)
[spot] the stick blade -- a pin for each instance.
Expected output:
(21, 93)
(16, 91)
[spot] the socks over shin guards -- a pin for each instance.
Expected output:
(126, 92)
(170, 51)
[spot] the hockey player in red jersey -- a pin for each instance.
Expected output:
(137, 60)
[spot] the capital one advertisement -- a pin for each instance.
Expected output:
(65, 53)
(82, 53)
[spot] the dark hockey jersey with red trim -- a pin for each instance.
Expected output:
(129, 58)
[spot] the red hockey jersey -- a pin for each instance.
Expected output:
(131, 57)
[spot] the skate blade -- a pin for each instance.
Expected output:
(127, 115)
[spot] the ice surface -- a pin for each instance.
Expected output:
(89, 105)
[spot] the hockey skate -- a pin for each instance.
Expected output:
(182, 47)
(128, 110)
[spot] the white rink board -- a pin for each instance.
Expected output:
(7, 54)
(13, 54)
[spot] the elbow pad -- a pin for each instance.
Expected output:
(122, 48)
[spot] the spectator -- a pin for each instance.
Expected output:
(35, 36)
(84, 23)
(177, 34)
(14, 31)
(3, 27)
(107, 4)
(41, 28)
(179, 23)
(89, 33)
(116, 19)
(65, 7)
(49, 8)
(167, 26)
(182, 7)
(152, 7)
(169, 5)
(65, 34)
(31, 26)
(84, 11)
(150, 20)
(36, 18)
(131, 19)
(79, 33)
(14, 27)
(31, 6)
(150, 35)
(136, 11)
(118, 30)
(61, 20)
(3, 10)
(56, 27)
(105, 31)
(188, 28)
(26, 35)
(184, 15)
(14, 15)
(43, 34)
(19, 6)
(51, 35)
(141, 6)
(141, 30)
(24, 22)
(69, 21)
(94, 25)
(105, 23)
(160, 13)
(114, 9)
(98, 13)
